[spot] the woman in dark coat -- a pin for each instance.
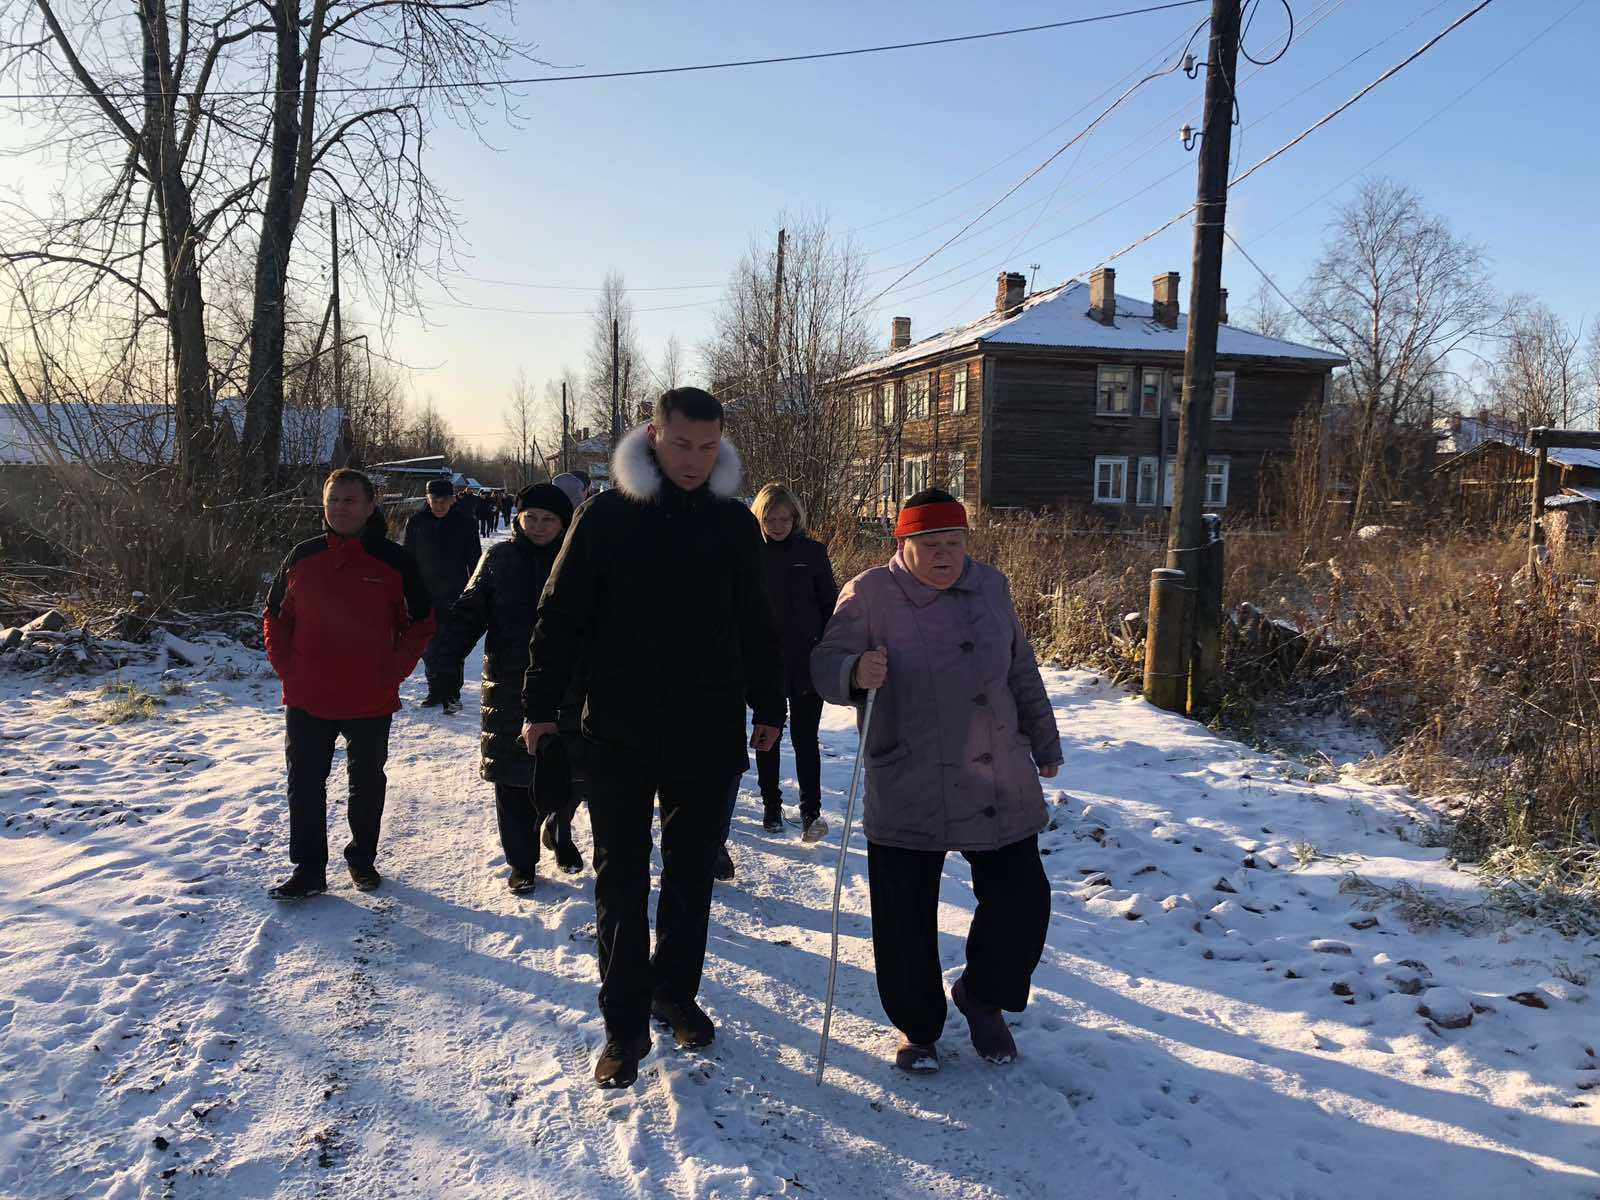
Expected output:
(803, 591)
(501, 602)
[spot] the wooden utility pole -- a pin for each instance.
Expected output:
(616, 395)
(1168, 689)
(566, 434)
(338, 317)
(774, 353)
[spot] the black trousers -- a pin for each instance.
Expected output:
(805, 715)
(308, 749)
(444, 678)
(520, 811)
(1003, 944)
(622, 793)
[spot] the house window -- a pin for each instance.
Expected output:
(916, 475)
(862, 401)
(1222, 400)
(1151, 380)
(917, 398)
(1112, 388)
(888, 402)
(1216, 483)
(958, 389)
(1145, 490)
(886, 489)
(957, 485)
(1110, 481)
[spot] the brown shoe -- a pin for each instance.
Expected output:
(915, 1057)
(987, 1024)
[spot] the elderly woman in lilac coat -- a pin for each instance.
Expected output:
(961, 733)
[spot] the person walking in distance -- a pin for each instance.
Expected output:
(660, 592)
(499, 604)
(347, 617)
(441, 537)
(962, 731)
(801, 583)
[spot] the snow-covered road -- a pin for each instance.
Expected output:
(1211, 1018)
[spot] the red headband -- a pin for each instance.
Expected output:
(931, 518)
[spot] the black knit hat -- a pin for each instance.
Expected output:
(548, 497)
(441, 487)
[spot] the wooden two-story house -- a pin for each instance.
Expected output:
(1068, 398)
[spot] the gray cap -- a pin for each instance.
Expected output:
(572, 486)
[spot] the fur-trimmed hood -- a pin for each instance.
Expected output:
(638, 476)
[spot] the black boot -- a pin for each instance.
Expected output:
(302, 883)
(689, 1022)
(723, 871)
(520, 883)
(618, 1064)
(430, 701)
(813, 828)
(366, 878)
(557, 838)
(772, 816)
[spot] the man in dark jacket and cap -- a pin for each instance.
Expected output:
(661, 591)
(499, 605)
(346, 618)
(443, 538)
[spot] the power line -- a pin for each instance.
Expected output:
(561, 287)
(1273, 284)
(817, 56)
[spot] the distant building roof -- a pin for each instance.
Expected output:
(42, 434)
(1060, 317)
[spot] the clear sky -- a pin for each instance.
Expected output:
(666, 179)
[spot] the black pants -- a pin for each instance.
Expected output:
(1003, 944)
(622, 793)
(308, 748)
(520, 811)
(805, 715)
(444, 678)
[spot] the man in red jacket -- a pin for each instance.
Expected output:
(347, 618)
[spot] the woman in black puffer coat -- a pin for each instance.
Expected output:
(501, 604)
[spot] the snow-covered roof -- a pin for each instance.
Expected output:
(1459, 433)
(42, 434)
(1060, 317)
(1566, 456)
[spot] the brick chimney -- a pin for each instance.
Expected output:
(1222, 306)
(1010, 289)
(900, 333)
(1165, 304)
(1103, 295)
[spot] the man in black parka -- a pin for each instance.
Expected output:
(661, 592)
(499, 605)
(443, 538)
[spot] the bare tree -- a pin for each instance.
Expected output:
(1538, 376)
(783, 409)
(1396, 291)
(521, 421)
(612, 306)
(670, 372)
(1267, 315)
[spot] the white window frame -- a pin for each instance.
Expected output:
(863, 408)
(887, 407)
(1101, 383)
(958, 389)
(1168, 482)
(1119, 476)
(1160, 374)
(1139, 497)
(917, 398)
(956, 472)
(1217, 471)
(886, 488)
(1219, 412)
(921, 465)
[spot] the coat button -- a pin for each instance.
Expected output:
(985, 757)
(991, 811)
(966, 647)
(981, 698)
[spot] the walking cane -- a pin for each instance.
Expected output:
(838, 884)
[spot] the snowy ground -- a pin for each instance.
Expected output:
(1211, 1019)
